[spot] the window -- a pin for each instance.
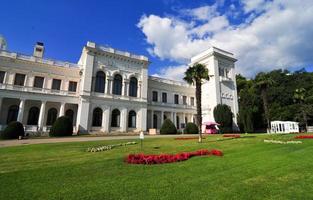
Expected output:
(12, 113)
(2, 74)
(164, 97)
(184, 100)
(72, 85)
(155, 121)
(133, 87)
(115, 120)
(70, 114)
(38, 82)
(154, 96)
(176, 99)
(19, 79)
(33, 116)
(132, 119)
(100, 82)
(97, 117)
(56, 84)
(52, 116)
(192, 101)
(117, 84)
(221, 71)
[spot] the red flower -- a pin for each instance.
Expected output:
(232, 135)
(304, 137)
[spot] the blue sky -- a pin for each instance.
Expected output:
(263, 34)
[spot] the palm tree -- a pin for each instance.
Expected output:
(263, 82)
(195, 75)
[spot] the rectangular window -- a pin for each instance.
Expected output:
(192, 101)
(72, 85)
(56, 84)
(2, 74)
(155, 96)
(38, 82)
(221, 71)
(19, 79)
(164, 97)
(184, 100)
(176, 99)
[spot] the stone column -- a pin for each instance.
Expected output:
(61, 113)
(106, 120)
(83, 116)
(152, 113)
(41, 115)
(174, 119)
(162, 117)
(171, 116)
(184, 121)
(124, 120)
(139, 90)
(126, 87)
(21, 111)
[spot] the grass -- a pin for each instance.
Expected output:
(250, 169)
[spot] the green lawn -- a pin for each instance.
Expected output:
(250, 169)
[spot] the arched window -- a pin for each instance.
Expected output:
(155, 121)
(132, 119)
(12, 113)
(97, 117)
(70, 114)
(133, 87)
(115, 119)
(52, 116)
(33, 116)
(117, 84)
(177, 122)
(100, 82)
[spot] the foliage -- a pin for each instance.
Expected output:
(289, 98)
(62, 127)
(223, 116)
(13, 131)
(168, 127)
(195, 75)
(191, 128)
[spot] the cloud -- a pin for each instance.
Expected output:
(172, 72)
(274, 34)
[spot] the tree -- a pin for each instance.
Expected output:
(195, 75)
(168, 127)
(223, 115)
(263, 81)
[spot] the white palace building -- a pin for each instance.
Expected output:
(108, 91)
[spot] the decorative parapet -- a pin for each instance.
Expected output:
(168, 81)
(24, 57)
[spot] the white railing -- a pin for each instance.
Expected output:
(172, 105)
(37, 59)
(123, 53)
(169, 81)
(37, 90)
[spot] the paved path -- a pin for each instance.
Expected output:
(7, 143)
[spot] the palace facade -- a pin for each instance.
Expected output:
(108, 91)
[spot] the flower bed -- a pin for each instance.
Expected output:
(232, 135)
(186, 138)
(168, 158)
(282, 142)
(108, 147)
(304, 137)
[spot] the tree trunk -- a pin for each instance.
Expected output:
(199, 111)
(265, 106)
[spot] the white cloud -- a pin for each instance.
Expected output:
(202, 13)
(279, 37)
(172, 72)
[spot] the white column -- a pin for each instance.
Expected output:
(106, 120)
(110, 85)
(162, 117)
(124, 120)
(83, 116)
(174, 119)
(21, 111)
(152, 113)
(61, 113)
(126, 88)
(41, 115)
(139, 90)
(184, 121)
(171, 116)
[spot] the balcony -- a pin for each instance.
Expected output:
(37, 90)
(171, 105)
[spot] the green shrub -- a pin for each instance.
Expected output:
(168, 127)
(224, 116)
(13, 131)
(191, 128)
(62, 127)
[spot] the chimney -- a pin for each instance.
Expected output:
(39, 50)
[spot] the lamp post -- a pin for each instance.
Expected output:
(141, 137)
